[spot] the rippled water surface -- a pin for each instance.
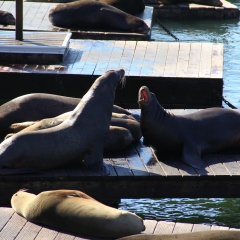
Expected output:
(220, 211)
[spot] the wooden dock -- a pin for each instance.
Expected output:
(182, 75)
(136, 172)
(35, 18)
(13, 226)
(186, 10)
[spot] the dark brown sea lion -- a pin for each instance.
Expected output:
(201, 235)
(95, 15)
(81, 136)
(75, 211)
(6, 18)
(204, 131)
(37, 106)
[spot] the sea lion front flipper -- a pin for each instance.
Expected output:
(94, 161)
(191, 155)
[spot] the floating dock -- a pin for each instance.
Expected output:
(182, 75)
(185, 10)
(13, 226)
(35, 18)
(136, 172)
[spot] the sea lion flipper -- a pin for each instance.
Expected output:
(191, 155)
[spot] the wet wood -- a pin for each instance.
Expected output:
(21, 229)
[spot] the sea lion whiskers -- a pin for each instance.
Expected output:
(123, 81)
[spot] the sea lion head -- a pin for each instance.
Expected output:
(138, 25)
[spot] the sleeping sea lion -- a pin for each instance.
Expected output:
(201, 235)
(75, 211)
(80, 136)
(6, 18)
(95, 15)
(204, 131)
(37, 106)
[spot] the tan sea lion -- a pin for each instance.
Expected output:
(95, 15)
(202, 235)
(37, 106)
(6, 18)
(76, 212)
(204, 131)
(81, 136)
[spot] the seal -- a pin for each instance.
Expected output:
(37, 106)
(60, 145)
(95, 15)
(202, 132)
(6, 18)
(201, 235)
(75, 211)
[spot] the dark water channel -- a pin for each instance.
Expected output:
(220, 211)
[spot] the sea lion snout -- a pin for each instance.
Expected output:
(144, 96)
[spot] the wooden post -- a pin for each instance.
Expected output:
(19, 20)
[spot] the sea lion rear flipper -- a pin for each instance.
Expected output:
(191, 155)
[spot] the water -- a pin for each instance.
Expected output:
(220, 211)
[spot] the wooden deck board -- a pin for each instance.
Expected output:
(167, 68)
(35, 17)
(19, 228)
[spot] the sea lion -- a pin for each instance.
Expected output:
(119, 120)
(75, 211)
(201, 235)
(204, 131)
(6, 18)
(37, 106)
(80, 136)
(95, 15)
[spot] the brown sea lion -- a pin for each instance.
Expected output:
(37, 106)
(204, 131)
(75, 211)
(60, 145)
(95, 15)
(6, 18)
(202, 235)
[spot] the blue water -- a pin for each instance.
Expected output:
(220, 211)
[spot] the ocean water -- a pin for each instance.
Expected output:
(219, 211)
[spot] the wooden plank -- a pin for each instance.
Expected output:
(93, 57)
(201, 227)
(104, 59)
(183, 60)
(28, 232)
(215, 165)
(6, 6)
(127, 56)
(135, 162)
(171, 61)
(138, 57)
(182, 227)
(38, 18)
(30, 15)
(109, 163)
(116, 55)
(75, 173)
(217, 60)
(64, 236)
(164, 227)
(120, 165)
(45, 24)
(150, 226)
(230, 163)
(84, 48)
(5, 215)
(45, 175)
(46, 233)
(194, 60)
(149, 58)
(205, 61)
(214, 227)
(149, 159)
(16, 222)
(60, 174)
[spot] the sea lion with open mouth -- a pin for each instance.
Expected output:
(204, 131)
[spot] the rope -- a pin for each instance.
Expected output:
(224, 100)
(166, 30)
